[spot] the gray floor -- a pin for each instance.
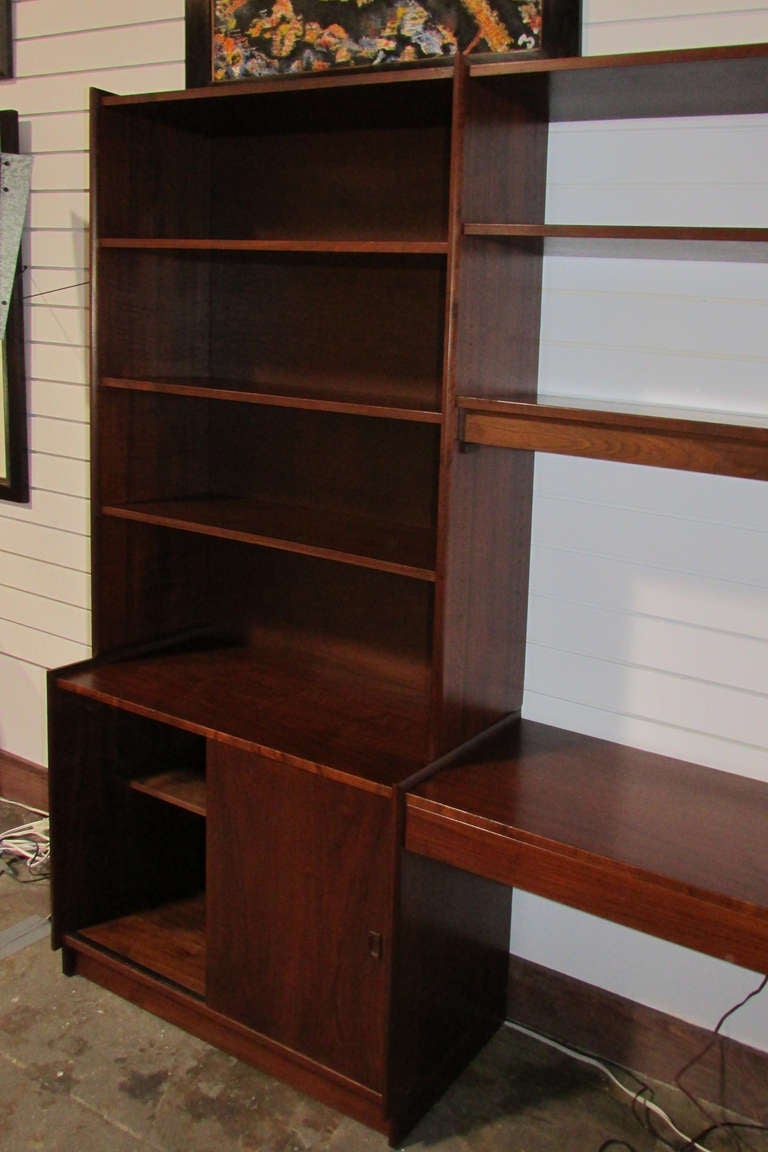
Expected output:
(82, 1070)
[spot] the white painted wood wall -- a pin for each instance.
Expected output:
(649, 604)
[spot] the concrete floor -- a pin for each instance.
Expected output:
(82, 1070)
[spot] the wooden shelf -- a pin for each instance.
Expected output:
(411, 400)
(395, 247)
(669, 242)
(182, 789)
(168, 941)
(657, 844)
(331, 535)
(695, 82)
(688, 439)
(329, 708)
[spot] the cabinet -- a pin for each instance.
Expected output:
(292, 787)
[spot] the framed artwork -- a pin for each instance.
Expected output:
(243, 39)
(6, 40)
(14, 481)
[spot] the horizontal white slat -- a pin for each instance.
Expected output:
(699, 747)
(37, 647)
(624, 586)
(677, 205)
(59, 401)
(640, 375)
(70, 91)
(56, 286)
(605, 11)
(51, 248)
(60, 170)
(671, 700)
(47, 323)
(43, 579)
(698, 279)
(58, 362)
(52, 510)
(717, 551)
(641, 35)
(730, 329)
(48, 17)
(54, 132)
(56, 208)
(628, 639)
(43, 613)
(715, 499)
(22, 720)
(59, 438)
(103, 48)
(66, 549)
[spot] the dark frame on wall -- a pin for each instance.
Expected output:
(14, 477)
(550, 27)
(6, 41)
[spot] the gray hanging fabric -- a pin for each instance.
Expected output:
(15, 176)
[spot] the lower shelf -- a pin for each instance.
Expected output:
(666, 847)
(168, 941)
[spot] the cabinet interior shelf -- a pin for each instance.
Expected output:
(652, 842)
(412, 400)
(177, 786)
(689, 439)
(168, 941)
(328, 534)
(324, 707)
(394, 247)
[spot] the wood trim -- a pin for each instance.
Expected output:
(652, 1043)
(23, 781)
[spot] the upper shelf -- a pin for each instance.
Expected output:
(687, 439)
(692, 82)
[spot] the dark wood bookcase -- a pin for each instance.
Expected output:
(292, 787)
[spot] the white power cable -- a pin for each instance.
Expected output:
(575, 1054)
(29, 843)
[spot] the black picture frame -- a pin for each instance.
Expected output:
(6, 41)
(560, 35)
(14, 473)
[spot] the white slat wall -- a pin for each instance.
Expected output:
(649, 601)
(61, 49)
(649, 594)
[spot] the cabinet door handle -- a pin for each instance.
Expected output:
(375, 945)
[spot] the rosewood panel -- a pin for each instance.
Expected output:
(300, 910)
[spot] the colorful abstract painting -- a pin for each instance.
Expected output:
(250, 39)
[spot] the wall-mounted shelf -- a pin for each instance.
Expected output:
(687, 439)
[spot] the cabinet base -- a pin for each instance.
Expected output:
(190, 1013)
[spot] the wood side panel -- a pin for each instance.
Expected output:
(484, 593)
(450, 984)
(302, 952)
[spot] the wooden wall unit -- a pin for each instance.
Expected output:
(316, 315)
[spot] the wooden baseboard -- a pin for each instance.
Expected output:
(23, 781)
(651, 1043)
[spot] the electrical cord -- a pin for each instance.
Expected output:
(28, 844)
(643, 1097)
